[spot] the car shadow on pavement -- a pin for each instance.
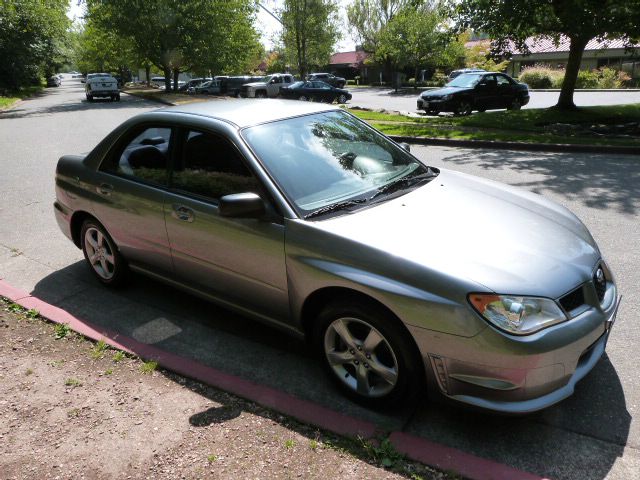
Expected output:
(152, 313)
(585, 433)
(599, 182)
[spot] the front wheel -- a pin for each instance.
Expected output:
(367, 355)
(342, 98)
(261, 94)
(102, 255)
(303, 98)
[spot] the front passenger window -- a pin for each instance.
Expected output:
(211, 167)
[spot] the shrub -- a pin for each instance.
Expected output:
(610, 78)
(587, 79)
(351, 82)
(540, 76)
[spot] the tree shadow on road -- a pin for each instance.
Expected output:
(598, 181)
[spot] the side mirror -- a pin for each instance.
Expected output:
(406, 146)
(241, 205)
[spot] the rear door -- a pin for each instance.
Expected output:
(240, 260)
(130, 194)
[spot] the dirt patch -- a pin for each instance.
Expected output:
(74, 409)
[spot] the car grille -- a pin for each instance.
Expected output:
(573, 300)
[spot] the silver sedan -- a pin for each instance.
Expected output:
(407, 279)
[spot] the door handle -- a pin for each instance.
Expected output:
(183, 213)
(105, 189)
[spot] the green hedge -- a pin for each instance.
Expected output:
(546, 77)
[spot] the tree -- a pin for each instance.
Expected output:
(310, 30)
(369, 17)
(177, 36)
(479, 56)
(418, 37)
(511, 22)
(32, 38)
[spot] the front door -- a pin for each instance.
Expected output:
(238, 260)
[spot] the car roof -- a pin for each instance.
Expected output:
(247, 112)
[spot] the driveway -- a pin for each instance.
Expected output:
(405, 100)
(592, 435)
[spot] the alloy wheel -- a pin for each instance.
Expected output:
(100, 253)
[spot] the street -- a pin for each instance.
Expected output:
(595, 434)
(405, 100)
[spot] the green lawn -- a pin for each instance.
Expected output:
(520, 126)
(8, 100)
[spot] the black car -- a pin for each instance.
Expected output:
(315, 91)
(475, 91)
(332, 80)
(54, 81)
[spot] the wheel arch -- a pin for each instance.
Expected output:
(77, 220)
(318, 299)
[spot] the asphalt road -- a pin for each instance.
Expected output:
(593, 435)
(405, 100)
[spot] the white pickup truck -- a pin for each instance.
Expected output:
(269, 87)
(101, 85)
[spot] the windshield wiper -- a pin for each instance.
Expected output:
(334, 207)
(404, 182)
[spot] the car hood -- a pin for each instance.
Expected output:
(440, 92)
(254, 84)
(508, 240)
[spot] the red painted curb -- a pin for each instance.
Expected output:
(447, 458)
(416, 448)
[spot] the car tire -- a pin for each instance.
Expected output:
(261, 94)
(303, 98)
(102, 254)
(464, 108)
(117, 98)
(515, 105)
(342, 98)
(89, 98)
(387, 372)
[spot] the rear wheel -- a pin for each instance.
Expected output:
(102, 255)
(515, 105)
(261, 94)
(367, 355)
(464, 108)
(303, 98)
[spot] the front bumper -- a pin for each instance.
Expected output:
(435, 105)
(518, 375)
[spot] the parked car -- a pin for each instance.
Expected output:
(233, 85)
(101, 85)
(312, 221)
(329, 78)
(475, 91)
(460, 71)
(194, 82)
(212, 87)
(315, 91)
(269, 86)
(53, 81)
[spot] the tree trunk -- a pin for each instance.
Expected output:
(176, 74)
(167, 78)
(147, 71)
(576, 49)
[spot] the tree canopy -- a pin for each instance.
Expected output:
(309, 32)
(176, 36)
(511, 22)
(32, 40)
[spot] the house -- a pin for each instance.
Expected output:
(352, 64)
(597, 54)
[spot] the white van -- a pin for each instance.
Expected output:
(101, 85)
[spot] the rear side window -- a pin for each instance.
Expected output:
(145, 157)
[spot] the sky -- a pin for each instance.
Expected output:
(266, 24)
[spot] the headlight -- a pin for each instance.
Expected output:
(517, 315)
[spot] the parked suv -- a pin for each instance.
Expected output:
(269, 87)
(337, 82)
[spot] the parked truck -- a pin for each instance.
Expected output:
(269, 87)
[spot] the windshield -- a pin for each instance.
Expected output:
(327, 158)
(464, 80)
(297, 85)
